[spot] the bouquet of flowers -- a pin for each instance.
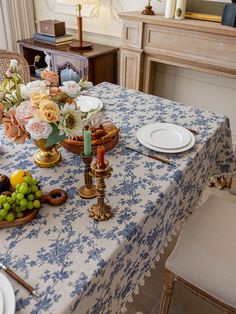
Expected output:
(41, 109)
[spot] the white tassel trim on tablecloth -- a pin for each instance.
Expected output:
(173, 233)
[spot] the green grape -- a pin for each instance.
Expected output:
(9, 200)
(10, 217)
(19, 215)
(23, 203)
(1, 218)
(3, 198)
(3, 213)
(36, 203)
(38, 194)
(6, 206)
(23, 208)
(28, 190)
(30, 197)
(20, 196)
(30, 205)
(23, 189)
(17, 202)
(35, 182)
(13, 206)
(18, 186)
(13, 196)
(34, 188)
(28, 180)
(18, 209)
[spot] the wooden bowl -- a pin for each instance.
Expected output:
(28, 216)
(55, 197)
(77, 147)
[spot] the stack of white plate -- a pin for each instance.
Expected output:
(7, 296)
(166, 137)
(87, 103)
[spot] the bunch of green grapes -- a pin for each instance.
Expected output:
(26, 197)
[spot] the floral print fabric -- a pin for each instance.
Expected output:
(87, 267)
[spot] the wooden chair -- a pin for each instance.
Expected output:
(204, 259)
(5, 58)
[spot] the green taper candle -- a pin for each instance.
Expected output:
(87, 142)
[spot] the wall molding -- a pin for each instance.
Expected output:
(195, 75)
(99, 38)
(57, 6)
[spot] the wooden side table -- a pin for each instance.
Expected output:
(99, 63)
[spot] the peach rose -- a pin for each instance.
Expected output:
(49, 105)
(54, 91)
(48, 111)
(49, 116)
(1, 111)
(51, 77)
(37, 97)
(13, 128)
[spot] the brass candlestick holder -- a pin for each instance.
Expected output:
(88, 190)
(100, 211)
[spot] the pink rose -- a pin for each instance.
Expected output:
(13, 128)
(38, 129)
(25, 111)
(71, 88)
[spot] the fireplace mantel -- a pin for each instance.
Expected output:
(204, 46)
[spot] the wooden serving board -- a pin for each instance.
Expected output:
(55, 197)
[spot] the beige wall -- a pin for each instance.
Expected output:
(3, 43)
(190, 87)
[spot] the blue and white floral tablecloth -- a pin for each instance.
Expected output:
(81, 266)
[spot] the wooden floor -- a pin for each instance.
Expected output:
(183, 301)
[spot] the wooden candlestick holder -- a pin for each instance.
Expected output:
(100, 211)
(148, 9)
(88, 190)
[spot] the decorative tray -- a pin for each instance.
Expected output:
(107, 134)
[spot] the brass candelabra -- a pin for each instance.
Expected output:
(100, 211)
(88, 190)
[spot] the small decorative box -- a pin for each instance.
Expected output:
(52, 28)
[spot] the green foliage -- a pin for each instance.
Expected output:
(54, 137)
(10, 86)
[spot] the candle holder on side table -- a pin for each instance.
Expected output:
(88, 190)
(148, 9)
(100, 211)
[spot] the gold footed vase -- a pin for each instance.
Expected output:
(46, 157)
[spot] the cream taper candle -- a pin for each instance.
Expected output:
(180, 9)
(170, 9)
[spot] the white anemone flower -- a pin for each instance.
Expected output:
(70, 123)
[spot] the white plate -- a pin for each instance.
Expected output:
(8, 295)
(166, 135)
(87, 103)
(1, 302)
(162, 150)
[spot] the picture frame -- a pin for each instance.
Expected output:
(207, 10)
